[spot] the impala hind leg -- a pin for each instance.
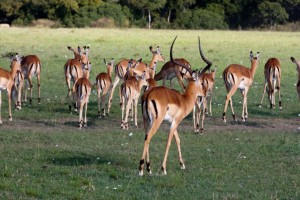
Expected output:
(279, 95)
(170, 137)
(265, 88)
(85, 113)
(149, 134)
(0, 106)
(116, 81)
(39, 88)
(229, 99)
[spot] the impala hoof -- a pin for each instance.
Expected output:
(182, 166)
(0, 121)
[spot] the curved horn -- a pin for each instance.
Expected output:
(209, 63)
(178, 63)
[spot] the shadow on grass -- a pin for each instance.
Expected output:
(79, 160)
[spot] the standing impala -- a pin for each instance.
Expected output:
(272, 81)
(31, 66)
(129, 94)
(239, 77)
(82, 90)
(208, 80)
(77, 67)
(298, 69)
(161, 103)
(120, 68)
(7, 83)
(171, 70)
(104, 86)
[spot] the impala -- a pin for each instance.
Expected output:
(31, 66)
(161, 103)
(272, 81)
(298, 69)
(82, 90)
(104, 85)
(129, 94)
(120, 68)
(7, 83)
(171, 70)
(208, 80)
(77, 67)
(239, 77)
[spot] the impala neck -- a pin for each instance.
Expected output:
(141, 83)
(14, 68)
(109, 71)
(190, 95)
(254, 65)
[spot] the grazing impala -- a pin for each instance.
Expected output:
(272, 81)
(121, 67)
(77, 67)
(104, 86)
(171, 70)
(82, 90)
(208, 80)
(129, 94)
(161, 103)
(298, 69)
(239, 77)
(7, 83)
(31, 66)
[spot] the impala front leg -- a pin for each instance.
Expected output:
(182, 166)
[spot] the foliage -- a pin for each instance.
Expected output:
(158, 13)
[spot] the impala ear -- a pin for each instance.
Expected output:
(112, 62)
(104, 60)
(251, 55)
(157, 49)
(195, 75)
(257, 56)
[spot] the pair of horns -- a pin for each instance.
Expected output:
(209, 63)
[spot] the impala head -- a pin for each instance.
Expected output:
(254, 58)
(194, 74)
(157, 56)
(152, 70)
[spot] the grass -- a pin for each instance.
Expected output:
(44, 156)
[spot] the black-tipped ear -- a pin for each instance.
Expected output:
(104, 60)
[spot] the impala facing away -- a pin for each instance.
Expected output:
(208, 80)
(77, 67)
(31, 66)
(239, 77)
(298, 69)
(82, 90)
(161, 103)
(171, 70)
(7, 83)
(121, 68)
(272, 81)
(129, 94)
(104, 86)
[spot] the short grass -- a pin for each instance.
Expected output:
(43, 155)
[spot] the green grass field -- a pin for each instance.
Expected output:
(43, 155)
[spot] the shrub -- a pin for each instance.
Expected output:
(45, 23)
(103, 22)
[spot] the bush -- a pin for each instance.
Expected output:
(201, 19)
(103, 22)
(45, 23)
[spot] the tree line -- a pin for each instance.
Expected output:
(159, 14)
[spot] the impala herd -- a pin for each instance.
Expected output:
(159, 103)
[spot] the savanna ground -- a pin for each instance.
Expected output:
(43, 155)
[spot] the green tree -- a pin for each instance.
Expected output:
(271, 13)
(148, 5)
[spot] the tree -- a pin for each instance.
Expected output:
(148, 5)
(271, 13)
